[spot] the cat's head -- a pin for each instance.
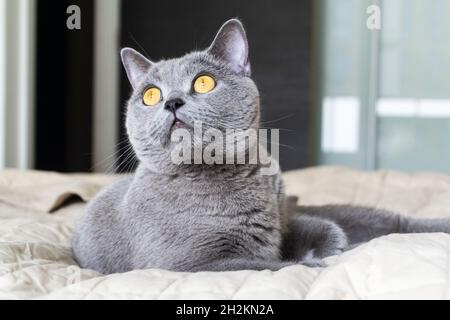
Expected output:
(211, 86)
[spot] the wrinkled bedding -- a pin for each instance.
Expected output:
(38, 211)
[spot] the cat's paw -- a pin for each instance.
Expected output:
(333, 250)
(333, 242)
(313, 263)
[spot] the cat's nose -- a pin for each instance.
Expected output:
(174, 104)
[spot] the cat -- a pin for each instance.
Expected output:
(219, 217)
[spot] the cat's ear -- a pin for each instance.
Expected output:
(136, 65)
(231, 46)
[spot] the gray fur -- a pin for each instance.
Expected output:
(210, 217)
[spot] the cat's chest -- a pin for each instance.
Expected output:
(177, 218)
(175, 200)
(174, 203)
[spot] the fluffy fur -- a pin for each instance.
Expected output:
(211, 217)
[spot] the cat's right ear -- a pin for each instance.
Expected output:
(135, 64)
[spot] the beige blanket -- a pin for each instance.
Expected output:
(36, 260)
(47, 191)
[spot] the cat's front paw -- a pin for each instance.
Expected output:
(313, 263)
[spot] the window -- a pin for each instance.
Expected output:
(384, 95)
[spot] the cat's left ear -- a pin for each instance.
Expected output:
(136, 65)
(231, 46)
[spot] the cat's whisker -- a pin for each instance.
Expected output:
(140, 46)
(112, 167)
(278, 119)
(279, 144)
(280, 129)
(128, 165)
(118, 149)
(125, 163)
(115, 155)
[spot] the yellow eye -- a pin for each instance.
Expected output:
(204, 84)
(152, 96)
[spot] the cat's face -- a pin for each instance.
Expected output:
(212, 87)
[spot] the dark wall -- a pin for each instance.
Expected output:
(64, 88)
(279, 34)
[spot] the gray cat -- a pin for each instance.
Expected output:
(217, 217)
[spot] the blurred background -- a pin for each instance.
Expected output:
(342, 92)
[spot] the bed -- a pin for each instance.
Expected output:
(38, 211)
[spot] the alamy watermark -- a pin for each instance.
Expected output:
(230, 146)
(73, 21)
(373, 21)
